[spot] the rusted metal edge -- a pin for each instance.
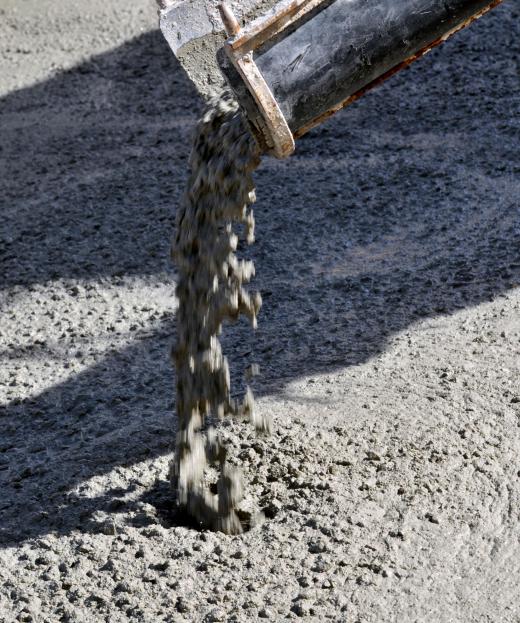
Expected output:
(280, 17)
(229, 20)
(406, 63)
(278, 134)
(280, 137)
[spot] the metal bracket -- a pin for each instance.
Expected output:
(240, 47)
(280, 17)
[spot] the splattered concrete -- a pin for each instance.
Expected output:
(388, 258)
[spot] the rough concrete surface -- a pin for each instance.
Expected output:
(194, 31)
(388, 257)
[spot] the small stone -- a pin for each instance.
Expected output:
(216, 615)
(321, 565)
(183, 605)
(318, 547)
(327, 584)
(162, 566)
(123, 587)
(266, 613)
(302, 608)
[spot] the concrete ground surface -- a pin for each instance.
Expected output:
(388, 256)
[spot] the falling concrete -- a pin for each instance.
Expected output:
(211, 290)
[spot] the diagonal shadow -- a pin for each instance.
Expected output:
(403, 207)
(92, 162)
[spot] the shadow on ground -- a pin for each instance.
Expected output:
(403, 207)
